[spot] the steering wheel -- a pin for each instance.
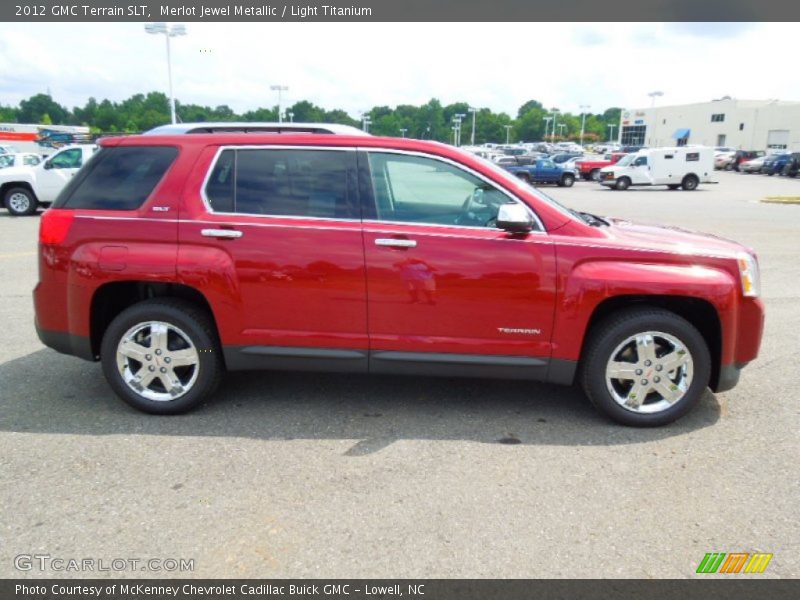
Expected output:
(466, 216)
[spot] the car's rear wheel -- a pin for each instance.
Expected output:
(161, 356)
(645, 367)
(623, 183)
(690, 183)
(20, 202)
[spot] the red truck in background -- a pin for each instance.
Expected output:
(590, 169)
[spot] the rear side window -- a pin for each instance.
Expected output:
(281, 182)
(119, 178)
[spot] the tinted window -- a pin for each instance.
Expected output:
(297, 183)
(118, 178)
(414, 189)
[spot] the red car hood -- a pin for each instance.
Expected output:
(673, 239)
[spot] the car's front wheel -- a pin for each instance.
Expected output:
(161, 356)
(645, 367)
(20, 202)
(623, 183)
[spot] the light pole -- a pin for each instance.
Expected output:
(546, 125)
(279, 89)
(653, 96)
(169, 31)
(555, 118)
(508, 132)
(584, 108)
(474, 111)
(560, 125)
(290, 114)
(403, 131)
(611, 127)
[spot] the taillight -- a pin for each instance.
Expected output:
(54, 225)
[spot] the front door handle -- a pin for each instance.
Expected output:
(231, 234)
(395, 243)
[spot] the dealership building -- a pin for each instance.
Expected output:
(739, 124)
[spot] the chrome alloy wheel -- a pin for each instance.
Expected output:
(649, 372)
(158, 361)
(19, 202)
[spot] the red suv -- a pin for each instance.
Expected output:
(174, 257)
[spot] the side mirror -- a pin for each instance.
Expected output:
(514, 218)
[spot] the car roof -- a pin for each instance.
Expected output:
(256, 127)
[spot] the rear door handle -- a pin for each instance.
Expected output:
(395, 243)
(231, 234)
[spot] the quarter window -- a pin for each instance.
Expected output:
(416, 189)
(119, 178)
(279, 182)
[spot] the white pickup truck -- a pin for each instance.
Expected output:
(23, 189)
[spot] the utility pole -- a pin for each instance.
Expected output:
(403, 131)
(508, 132)
(611, 128)
(555, 118)
(546, 125)
(473, 110)
(279, 89)
(584, 108)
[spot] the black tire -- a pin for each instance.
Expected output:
(198, 327)
(567, 180)
(690, 183)
(20, 202)
(615, 329)
(673, 186)
(623, 183)
(594, 175)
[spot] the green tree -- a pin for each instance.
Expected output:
(34, 108)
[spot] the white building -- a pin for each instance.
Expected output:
(738, 124)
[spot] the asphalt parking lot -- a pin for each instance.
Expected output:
(298, 475)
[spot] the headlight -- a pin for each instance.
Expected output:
(748, 273)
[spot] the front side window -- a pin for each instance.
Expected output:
(417, 189)
(640, 162)
(68, 159)
(280, 182)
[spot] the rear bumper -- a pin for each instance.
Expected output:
(66, 343)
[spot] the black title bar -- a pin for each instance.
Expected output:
(401, 10)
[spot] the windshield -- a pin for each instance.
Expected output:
(625, 160)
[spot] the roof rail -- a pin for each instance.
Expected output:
(255, 127)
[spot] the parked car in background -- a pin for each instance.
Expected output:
(774, 163)
(792, 167)
(8, 149)
(753, 165)
(20, 159)
(160, 257)
(682, 167)
(506, 161)
(589, 168)
(563, 157)
(25, 188)
(741, 156)
(722, 159)
(544, 170)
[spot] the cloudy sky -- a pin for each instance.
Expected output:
(356, 66)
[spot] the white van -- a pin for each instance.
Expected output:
(685, 167)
